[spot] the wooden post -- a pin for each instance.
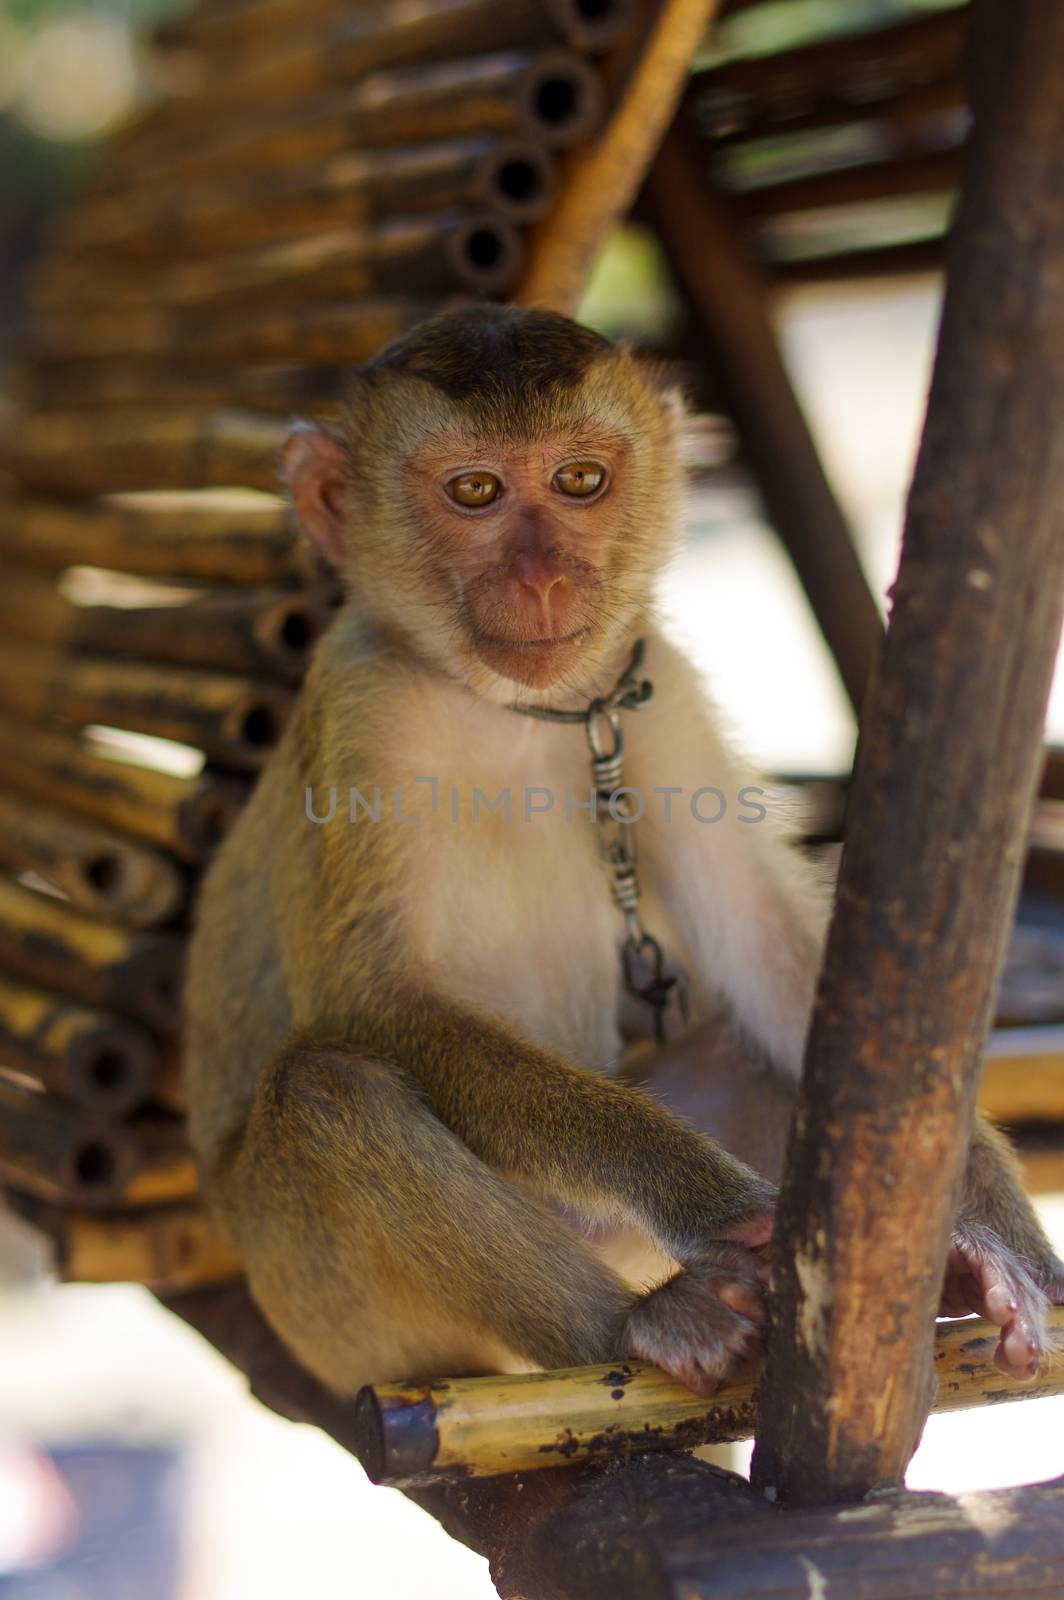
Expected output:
(947, 768)
(732, 333)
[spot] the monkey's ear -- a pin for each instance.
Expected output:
(315, 466)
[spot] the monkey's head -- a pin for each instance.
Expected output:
(500, 496)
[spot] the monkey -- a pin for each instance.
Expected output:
(409, 1035)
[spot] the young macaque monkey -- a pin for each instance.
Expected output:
(407, 1023)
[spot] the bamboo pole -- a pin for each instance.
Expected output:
(389, 35)
(735, 338)
(929, 172)
(267, 630)
(410, 1433)
(198, 538)
(646, 78)
(235, 720)
(480, 252)
(97, 869)
(189, 816)
(90, 453)
(119, 380)
(553, 97)
(100, 1060)
(910, 116)
(327, 334)
(57, 1152)
(44, 941)
(171, 1249)
(511, 177)
(306, 62)
(946, 775)
(853, 73)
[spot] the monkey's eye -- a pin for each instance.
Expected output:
(474, 488)
(580, 479)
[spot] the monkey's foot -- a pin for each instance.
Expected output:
(984, 1275)
(699, 1323)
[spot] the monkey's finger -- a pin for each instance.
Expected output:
(1018, 1352)
(746, 1301)
(755, 1231)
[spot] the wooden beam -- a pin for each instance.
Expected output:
(733, 336)
(946, 775)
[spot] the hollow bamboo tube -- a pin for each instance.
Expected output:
(46, 942)
(552, 97)
(386, 36)
(235, 720)
(172, 1248)
(511, 177)
(409, 1433)
(198, 538)
(58, 1152)
(90, 453)
(97, 869)
(189, 816)
(306, 64)
(331, 333)
(259, 630)
(102, 1061)
(481, 252)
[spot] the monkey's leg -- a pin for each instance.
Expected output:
(379, 1246)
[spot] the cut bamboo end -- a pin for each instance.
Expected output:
(97, 869)
(408, 1433)
(102, 1061)
(189, 816)
(43, 940)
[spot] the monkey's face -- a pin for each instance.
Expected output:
(511, 536)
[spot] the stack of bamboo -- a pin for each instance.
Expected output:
(842, 156)
(318, 177)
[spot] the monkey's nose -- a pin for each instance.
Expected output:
(538, 572)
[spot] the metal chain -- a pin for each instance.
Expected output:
(646, 976)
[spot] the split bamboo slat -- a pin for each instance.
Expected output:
(410, 1433)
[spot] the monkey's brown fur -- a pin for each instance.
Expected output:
(391, 1026)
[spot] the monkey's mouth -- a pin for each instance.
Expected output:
(555, 642)
(535, 662)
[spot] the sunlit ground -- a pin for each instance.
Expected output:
(271, 1510)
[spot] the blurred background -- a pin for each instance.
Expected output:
(132, 1462)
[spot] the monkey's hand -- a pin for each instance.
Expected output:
(985, 1275)
(699, 1323)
